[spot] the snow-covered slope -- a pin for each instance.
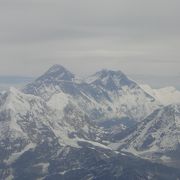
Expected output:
(56, 79)
(105, 95)
(27, 121)
(157, 137)
(166, 96)
(124, 97)
(47, 131)
(38, 141)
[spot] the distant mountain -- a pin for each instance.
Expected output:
(158, 81)
(157, 137)
(103, 96)
(37, 142)
(56, 79)
(166, 96)
(110, 80)
(61, 127)
(126, 99)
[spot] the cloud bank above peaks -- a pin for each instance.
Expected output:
(138, 37)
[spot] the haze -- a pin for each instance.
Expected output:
(141, 38)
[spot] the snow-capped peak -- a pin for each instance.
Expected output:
(107, 72)
(104, 73)
(111, 91)
(166, 95)
(56, 79)
(58, 72)
(111, 80)
(56, 67)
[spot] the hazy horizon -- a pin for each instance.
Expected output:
(153, 81)
(137, 37)
(57, 121)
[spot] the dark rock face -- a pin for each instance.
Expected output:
(157, 137)
(112, 80)
(39, 140)
(57, 78)
(105, 94)
(98, 164)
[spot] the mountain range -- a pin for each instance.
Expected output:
(101, 127)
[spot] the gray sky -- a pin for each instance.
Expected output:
(136, 36)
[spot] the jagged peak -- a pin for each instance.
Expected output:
(104, 73)
(58, 71)
(56, 79)
(112, 80)
(55, 68)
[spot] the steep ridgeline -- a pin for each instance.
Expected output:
(56, 79)
(26, 121)
(36, 142)
(124, 98)
(104, 96)
(48, 133)
(157, 137)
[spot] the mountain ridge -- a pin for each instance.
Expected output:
(157, 137)
(96, 95)
(51, 129)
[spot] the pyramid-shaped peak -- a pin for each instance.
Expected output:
(111, 80)
(107, 74)
(56, 79)
(58, 72)
(57, 68)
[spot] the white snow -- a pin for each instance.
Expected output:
(15, 156)
(58, 101)
(94, 143)
(44, 167)
(165, 158)
(131, 102)
(167, 95)
(163, 128)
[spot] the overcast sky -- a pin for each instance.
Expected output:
(136, 36)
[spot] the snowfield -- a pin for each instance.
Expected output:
(54, 128)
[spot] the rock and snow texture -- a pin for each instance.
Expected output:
(56, 79)
(27, 119)
(158, 136)
(105, 95)
(166, 96)
(47, 131)
(124, 98)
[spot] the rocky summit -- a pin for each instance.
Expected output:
(98, 128)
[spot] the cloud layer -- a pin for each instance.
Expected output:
(138, 37)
